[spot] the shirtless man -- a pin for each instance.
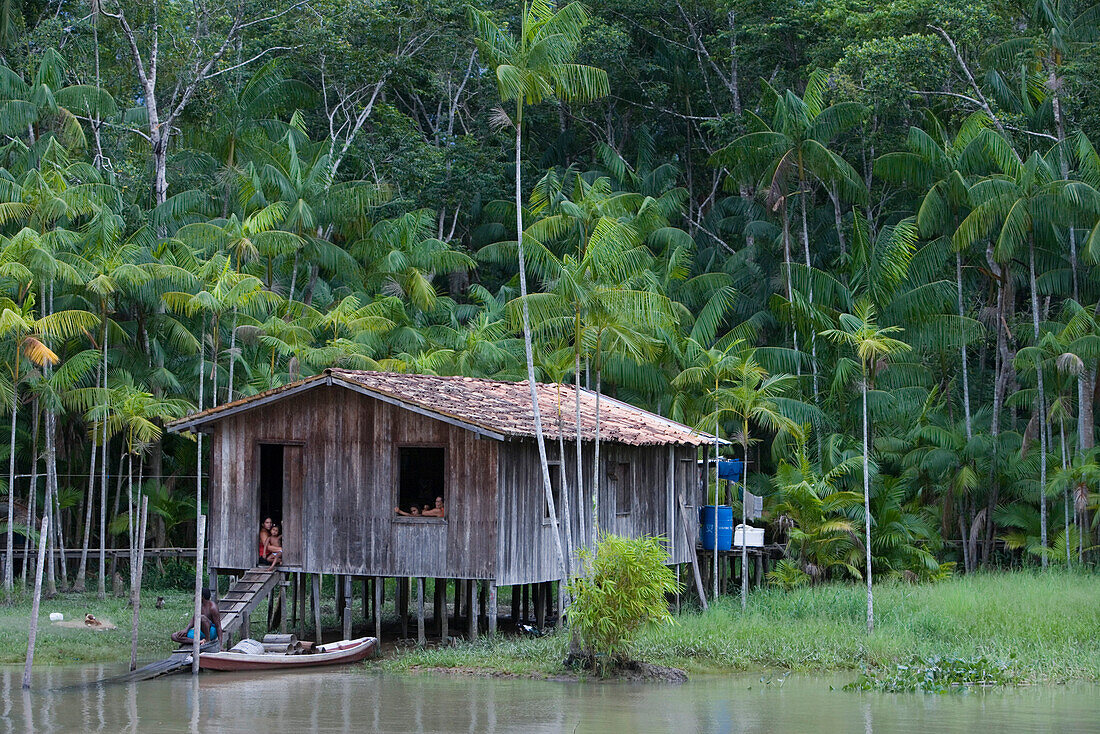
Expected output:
(436, 511)
(210, 622)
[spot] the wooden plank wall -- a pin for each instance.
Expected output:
(525, 545)
(348, 489)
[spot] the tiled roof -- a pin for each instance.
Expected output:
(494, 406)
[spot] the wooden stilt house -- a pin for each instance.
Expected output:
(336, 458)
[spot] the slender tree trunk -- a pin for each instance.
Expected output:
(564, 493)
(51, 468)
(714, 555)
(137, 570)
(232, 358)
(790, 287)
(9, 565)
(582, 534)
(529, 351)
(101, 583)
(1040, 399)
(33, 490)
(867, 507)
(744, 517)
(962, 349)
(810, 295)
(82, 569)
(596, 449)
(1065, 461)
(33, 632)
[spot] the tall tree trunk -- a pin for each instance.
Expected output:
(232, 356)
(810, 296)
(529, 350)
(744, 517)
(82, 569)
(33, 490)
(962, 349)
(101, 583)
(867, 507)
(582, 534)
(9, 564)
(1040, 400)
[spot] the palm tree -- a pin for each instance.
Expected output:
(939, 164)
(871, 344)
(784, 159)
(752, 397)
(27, 333)
(534, 66)
(1024, 205)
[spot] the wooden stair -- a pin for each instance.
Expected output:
(244, 596)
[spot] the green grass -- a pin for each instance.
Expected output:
(61, 645)
(1044, 625)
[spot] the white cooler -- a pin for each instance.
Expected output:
(749, 536)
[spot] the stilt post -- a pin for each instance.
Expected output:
(200, 545)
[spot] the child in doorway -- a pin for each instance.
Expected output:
(273, 551)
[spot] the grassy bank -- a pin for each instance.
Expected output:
(1045, 624)
(65, 645)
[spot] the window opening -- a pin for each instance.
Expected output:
(555, 492)
(623, 479)
(421, 490)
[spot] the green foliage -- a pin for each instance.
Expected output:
(621, 590)
(936, 675)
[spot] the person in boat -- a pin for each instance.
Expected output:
(436, 511)
(274, 548)
(265, 533)
(414, 511)
(210, 622)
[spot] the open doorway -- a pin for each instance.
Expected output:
(271, 482)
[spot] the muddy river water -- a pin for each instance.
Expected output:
(340, 700)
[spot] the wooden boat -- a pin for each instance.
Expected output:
(334, 653)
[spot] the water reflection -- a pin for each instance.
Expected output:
(343, 700)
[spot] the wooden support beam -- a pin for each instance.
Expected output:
(401, 602)
(515, 603)
(758, 574)
(420, 637)
(492, 608)
(540, 606)
(246, 625)
(338, 588)
(482, 601)
(347, 606)
(212, 583)
(302, 602)
(366, 598)
(315, 598)
(437, 605)
(694, 556)
(471, 614)
(443, 631)
(379, 587)
(282, 609)
(525, 614)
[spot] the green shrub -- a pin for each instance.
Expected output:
(176, 575)
(622, 590)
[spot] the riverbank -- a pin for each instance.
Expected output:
(1044, 624)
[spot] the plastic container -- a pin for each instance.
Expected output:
(748, 536)
(725, 527)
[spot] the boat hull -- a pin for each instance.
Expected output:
(334, 653)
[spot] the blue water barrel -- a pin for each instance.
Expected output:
(725, 527)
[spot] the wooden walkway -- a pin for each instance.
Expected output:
(244, 596)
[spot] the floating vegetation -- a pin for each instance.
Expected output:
(936, 675)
